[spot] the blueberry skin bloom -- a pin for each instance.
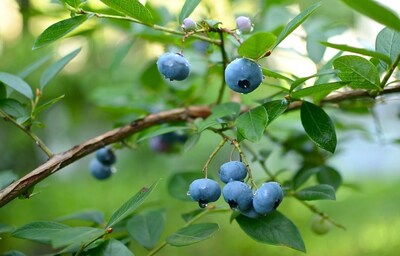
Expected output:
(267, 198)
(173, 66)
(233, 170)
(243, 75)
(204, 191)
(106, 156)
(238, 195)
(99, 170)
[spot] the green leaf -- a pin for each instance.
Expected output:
(301, 80)
(13, 253)
(275, 108)
(13, 108)
(39, 231)
(46, 105)
(17, 84)
(58, 30)
(5, 228)
(318, 126)
(222, 113)
(295, 22)
(318, 88)
(111, 247)
(3, 91)
(187, 9)
(361, 51)
(302, 176)
(276, 75)
(75, 235)
(192, 234)
(375, 11)
(274, 229)
(328, 175)
(56, 67)
(359, 72)
(34, 66)
(146, 228)
(132, 8)
(6, 178)
(73, 3)
(256, 46)
(190, 215)
(317, 192)
(178, 184)
(251, 125)
(388, 43)
(129, 206)
(91, 215)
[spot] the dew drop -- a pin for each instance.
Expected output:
(188, 193)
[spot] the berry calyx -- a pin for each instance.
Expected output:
(243, 75)
(238, 195)
(267, 198)
(231, 171)
(173, 66)
(204, 191)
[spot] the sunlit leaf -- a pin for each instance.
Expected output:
(318, 126)
(17, 84)
(251, 124)
(274, 229)
(257, 45)
(132, 8)
(275, 108)
(318, 88)
(59, 29)
(187, 9)
(192, 234)
(388, 43)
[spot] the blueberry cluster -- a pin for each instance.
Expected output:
(236, 192)
(168, 142)
(101, 166)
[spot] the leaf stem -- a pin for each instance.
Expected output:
(260, 161)
(213, 154)
(153, 26)
(37, 140)
(390, 71)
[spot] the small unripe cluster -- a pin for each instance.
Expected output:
(236, 192)
(244, 25)
(101, 166)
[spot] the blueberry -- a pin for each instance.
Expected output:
(251, 213)
(233, 170)
(244, 25)
(189, 24)
(204, 191)
(267, 198)
(106, 156)
(238, 195)
(99, 170)
(173, 66)
(243, 75)
(168, 142)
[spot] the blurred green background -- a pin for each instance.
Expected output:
(107, 85)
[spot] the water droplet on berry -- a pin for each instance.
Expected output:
(188, 193)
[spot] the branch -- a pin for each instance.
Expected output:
(60, 160)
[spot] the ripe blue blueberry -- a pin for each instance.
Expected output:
(204, 191)
(251, 213)
(267, 197)
(243, 75)
(106, 156)
(173, 66)
(189, 24)
(238, 195)
(244, 25)
(233, 170)
(99, 170)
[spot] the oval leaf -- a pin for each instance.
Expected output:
(274, 229)
(17, 84)
(111, 247)
(251, 125)
(375, 11)
(257, 45)
(56, 67)
(317, 192)
(328, 175)
(58, 30)
(318, 126)
(132, 8)
(129, 206)
(187, 9)
(39, 231)
(91, 215)
(359, 72)
(388, 43)
(192, 234)
(75, 235)
(13, 108)
(146, 228)
(275, 108)
(318, 88)
(295, 22)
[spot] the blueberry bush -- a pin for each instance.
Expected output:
(198, 79)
